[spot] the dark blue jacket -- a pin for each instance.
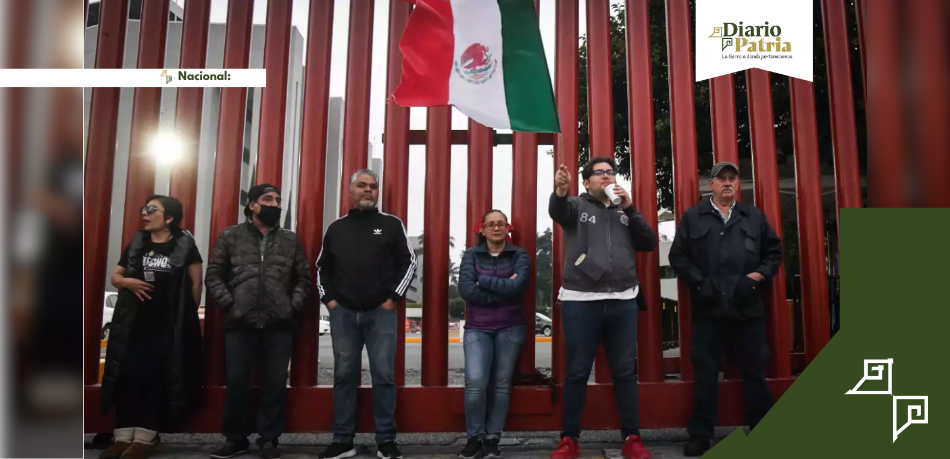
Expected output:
(494, 299)
(714, 258)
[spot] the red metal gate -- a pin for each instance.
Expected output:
(664, 403)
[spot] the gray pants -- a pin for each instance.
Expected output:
(350, 331)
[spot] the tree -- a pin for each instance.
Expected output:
(661, 108)
(661, 101)
(543, 271)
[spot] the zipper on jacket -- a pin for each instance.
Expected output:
(610, 262)
(260, 295)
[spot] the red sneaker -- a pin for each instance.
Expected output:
(633, 448)
(566, 449)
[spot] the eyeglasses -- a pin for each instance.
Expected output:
(149, 210)
(601, 173)
(493, 226)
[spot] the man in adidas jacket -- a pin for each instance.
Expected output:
(363, 272)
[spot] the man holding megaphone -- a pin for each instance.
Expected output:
(602, 230)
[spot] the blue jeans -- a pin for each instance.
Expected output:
(350, 331)
(490, 358)
(586, 323)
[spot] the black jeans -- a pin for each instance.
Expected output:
(586, 323)
(706, 355)
(243, 348)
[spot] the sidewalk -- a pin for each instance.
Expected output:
(663, 443)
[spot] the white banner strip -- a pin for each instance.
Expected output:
(133, 78)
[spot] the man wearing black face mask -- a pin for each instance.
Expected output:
(258, 275)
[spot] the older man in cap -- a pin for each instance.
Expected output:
(725, 251)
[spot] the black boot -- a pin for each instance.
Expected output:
(472, 449)
(696, 446)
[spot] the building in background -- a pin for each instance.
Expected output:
(209, 125)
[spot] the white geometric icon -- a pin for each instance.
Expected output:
(377, 232)
(912, 410)
(879, 369)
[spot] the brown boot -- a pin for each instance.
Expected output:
(142, 445)
(123, 439)
(138, 450)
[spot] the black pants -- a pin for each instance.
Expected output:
(140, 392)
(244, 348)
(753, 350)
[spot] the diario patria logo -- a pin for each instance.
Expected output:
(740, 35)
(745, 35)
(184, 75)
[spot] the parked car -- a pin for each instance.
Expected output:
(108, 309)
(324, 325)
(542, 324)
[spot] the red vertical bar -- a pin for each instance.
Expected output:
(97, 182)
(524, 216)
(683, 126)
(396, 153)
(313, 166)
(435, 313)
(356, 116)
(886, 129)
(194, 51)
(725, 148)
(565, 152)
(843, 133)
(811, 222)
(599, 93)
(226, 195)
(862, 11)
(146, 108)
(929, 37)
(270, 141)
(725, 139)
(480, 156)
(20, 15)
(640, 103)
(600, 110)
(765, 175)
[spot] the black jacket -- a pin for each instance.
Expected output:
(366, 259)
(184, 375)
(600, 242)
(258, 290)
(714, 259)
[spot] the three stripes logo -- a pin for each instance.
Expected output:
(874, 370)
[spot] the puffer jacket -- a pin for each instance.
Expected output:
(494, 299)
(265, 290)
(184, 362)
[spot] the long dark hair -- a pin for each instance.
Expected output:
(173, 210)
(481, 237)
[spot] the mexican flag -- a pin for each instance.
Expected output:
(485, 57)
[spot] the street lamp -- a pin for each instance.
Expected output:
(167, 148)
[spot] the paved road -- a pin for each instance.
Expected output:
(542, 356)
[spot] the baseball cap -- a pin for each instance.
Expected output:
(255, 193)
(718, 167)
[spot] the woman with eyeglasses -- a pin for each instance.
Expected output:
(153, 371)
(492, 279)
